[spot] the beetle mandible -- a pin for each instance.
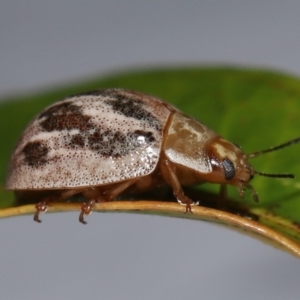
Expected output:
(103, 143)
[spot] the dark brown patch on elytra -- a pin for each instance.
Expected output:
(35, 153)
(114, 144)
(110, 144)
(64, 116)
(132, 108)
(67, 121)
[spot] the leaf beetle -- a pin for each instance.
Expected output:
(105, 142)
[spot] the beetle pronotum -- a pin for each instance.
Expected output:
(103, 143)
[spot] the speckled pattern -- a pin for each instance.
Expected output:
(90, 139)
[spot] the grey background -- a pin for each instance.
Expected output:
(123, 256)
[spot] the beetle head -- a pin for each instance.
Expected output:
(230, 165)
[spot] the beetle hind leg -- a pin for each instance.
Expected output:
(43, 205)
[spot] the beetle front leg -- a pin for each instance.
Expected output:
(168, 172)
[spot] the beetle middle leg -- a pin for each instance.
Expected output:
(168, 172)
(97, 195)
(42, 206)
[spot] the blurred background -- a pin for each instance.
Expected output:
(123, 256)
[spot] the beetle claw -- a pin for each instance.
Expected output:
(36, 216)
(81, 218)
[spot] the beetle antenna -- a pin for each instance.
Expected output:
(289, 143)
(274, 175)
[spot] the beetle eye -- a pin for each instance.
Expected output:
(228, 168)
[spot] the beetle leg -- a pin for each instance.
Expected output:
(92, 195)
(95, 195)
(43, 205)
(111, 194)
(86, 209)
(40, 207)
(170, 177)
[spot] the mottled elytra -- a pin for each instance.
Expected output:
(103, 143)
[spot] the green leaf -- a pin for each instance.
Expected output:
(253, 108)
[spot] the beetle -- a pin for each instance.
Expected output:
(106, 142)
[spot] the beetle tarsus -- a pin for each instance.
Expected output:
(188, 208)
(183, 200)
(40, 207)
(86, 209)
(81, 218)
